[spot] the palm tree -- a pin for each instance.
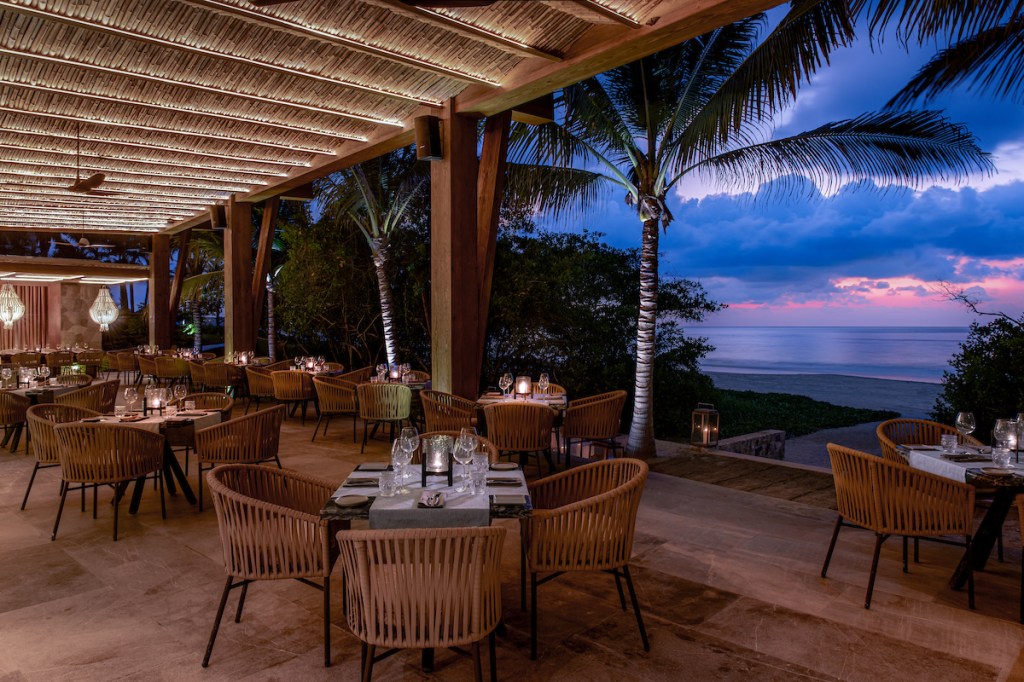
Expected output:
(706, 107)
(205, 259)
(376, 196)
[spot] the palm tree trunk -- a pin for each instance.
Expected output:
(197, 328)
(387, 306)
(271, 324)
(641, 431)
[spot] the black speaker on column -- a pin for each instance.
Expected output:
(428, 138)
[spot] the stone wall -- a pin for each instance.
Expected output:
(770, 444)
(75, 324)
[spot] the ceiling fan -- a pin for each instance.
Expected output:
(90, 184)
(83, 243)
(410, 3)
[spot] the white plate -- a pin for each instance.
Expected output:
(504, 466)
(995, 471)
(351, 500)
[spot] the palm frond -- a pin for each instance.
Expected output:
(921, 20)
(557, 191)
(901, 148)
(988, 62)
(194, 287)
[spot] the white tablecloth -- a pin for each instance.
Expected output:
(153, 422)
(931, 460)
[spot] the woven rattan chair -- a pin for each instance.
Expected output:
(270, 528)
(484, 445)
(383, 404)
(415, 376)
(172, 370)
(552, 389)
(209, 401)
(583, 520)
(27, 359)
(522, 428)
(93, 360)
(107, 454)
(59, 359)
(79, 380)
(41, 421)
(197, 375)
(444, 411)
(295, 389)
(336, 397)
(12, 418)
(359, 376)
(894, 432)
(333, 367)
(147, 368)
(250, 439)
(422, 589)
(261, 386)
(98, 397)
(889, 498)
(220, 377)
(127, 366)
(593, 420)
(277, 366)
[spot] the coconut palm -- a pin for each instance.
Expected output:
(707, 107)
(204, 258)
(376, 196)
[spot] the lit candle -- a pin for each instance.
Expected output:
(395, 373)
(309, 363)
(524, 386)
(244, 359)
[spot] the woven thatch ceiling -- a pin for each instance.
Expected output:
(181, 103)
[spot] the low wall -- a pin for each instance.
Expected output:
(769, 444)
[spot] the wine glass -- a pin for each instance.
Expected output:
(465, 448)
(1004, 434)
(180, 391)
(410, 439)
(131, 396)
(43, 371)
(6, 373)
(298, 361)
(505, 382)
(543, 382)
(965, 424)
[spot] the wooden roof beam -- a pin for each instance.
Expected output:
(601, 10)
(70, 267)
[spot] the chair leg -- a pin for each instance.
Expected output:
(618, 586)
(533, 616)
(879, 539)
(241, 602)
(522, 569)
(60, 510)
(371, 651)
(970, 571)
(478, 671)
(316, 428)
(216, 622)
(831, 546)
(363, 448)
(305, 404)
(117, 506)
(327, 621)
(199, 491)
(326, 424)
(905, 544)
(493, 651)
(999, 545)
(163, 501)
(636, 608)
(917, 550)
(31, 480)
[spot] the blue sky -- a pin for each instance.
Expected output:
(860, 256)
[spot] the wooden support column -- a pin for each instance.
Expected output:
(238, 328)
(159, 291)
(490, 190)
(179, 273)
(454, 275)
(262, 267)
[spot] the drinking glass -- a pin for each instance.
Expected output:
(1001, 458)
(131, 396)
(43, 371)
(410, 438)
(948, 442)
(120, 410)
(965, 423)
(543, 382)
(6, 374)
(387, 484)
(400, 458)
(1004, 434)
(463, 455)
(478, 481)
(505, 382)
(298, 361)
(180, 391)
(190, 406)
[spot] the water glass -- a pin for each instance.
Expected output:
(190, 405)
(388, 486)
(120, 410)
(481, 462)
(948, 443)
(478, 481)
(1001, 457)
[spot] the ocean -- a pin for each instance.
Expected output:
(904, 353)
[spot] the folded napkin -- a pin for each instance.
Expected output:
(361, 483)
(431, 499)
(132, 418)
(512, 482)
(373, 466)
(91, 420)
(191, 414)
(519, 500)
(967, 458)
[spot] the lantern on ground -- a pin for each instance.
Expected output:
(11, 307)
(704, 425)
(103, 311)
(524, 386)
(436, 458)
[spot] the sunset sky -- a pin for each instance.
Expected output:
(859, 257)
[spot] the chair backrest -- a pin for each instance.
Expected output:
(552, 389)
(269, 522)
(260, 382)
(894, 432)
(91, 358)
(422, 588)
(127, 362)
(41, 422)
(594, 417)
(333, 366)
(168, 367)
(358, 376)
(444, 411)
(59, 359)
(891, 498)
(519, 426)
(292, 385)
(197, 372)
(147, 365)
(216, 374)
(387, 402)
(25, 360)
(80, 380)
(89, 397)
(275, 366)
(484, 445)
(13, 408)
(209, 401)
(416, 376)
(585, 518)
(109, 395)
(107, 453)
(253, 438)
(335, 395)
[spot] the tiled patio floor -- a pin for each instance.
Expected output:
(728, 581)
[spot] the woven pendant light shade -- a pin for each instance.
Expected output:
(11, 307)
(103, 311)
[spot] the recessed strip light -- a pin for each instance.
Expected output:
(93, 205)
(94, 166)
(66, 212)
(38, 278)
(30, 193)
(128, 159)
(198, 196)
(173, 131)
(113, 179)
(205, 88)
(142, 37)
(72, 226)
(73, 217)
(351, 43)
(112, 280)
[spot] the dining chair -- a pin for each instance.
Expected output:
(552, 389)
(895, 432)
(92, 455)
(127, 365)
(208, 401)
(220, 377)
(98, 397)
(422, 589)
(416, 376)
(197, 375)
(359, 376)
(333, 367)
(261, 386)
(522, 428)
(890, 498)
(13, 408)
(444, 411)
(250, 439)
(78, 380)
(59, 359)
(595, 420)
(583, 520)
(147, 368)
(294, 388)
(336, 397)
(93, 360)
(25, 360)
(171, 370)
(383, 404)
(270, 529)
(41, 422)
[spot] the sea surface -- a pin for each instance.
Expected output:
(904, 353)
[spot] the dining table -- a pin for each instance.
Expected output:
(973, 465)
(43, 393)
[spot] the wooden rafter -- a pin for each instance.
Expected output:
(180, 272)
(607, 13)
(262, 267)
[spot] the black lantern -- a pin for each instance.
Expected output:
(704, 426)
(436, 458)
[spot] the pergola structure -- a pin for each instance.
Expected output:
(195, 110)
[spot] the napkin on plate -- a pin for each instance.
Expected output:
(361, 483)
(511, 482)
(431, 499)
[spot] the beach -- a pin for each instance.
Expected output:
(913, 399)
